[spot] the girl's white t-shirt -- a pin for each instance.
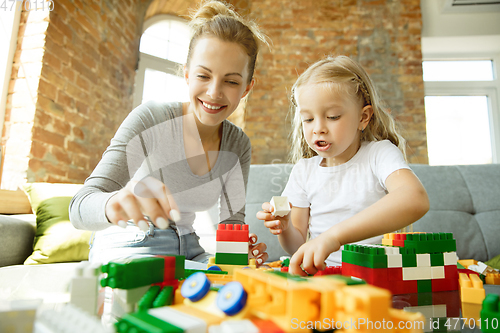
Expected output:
(337, 193)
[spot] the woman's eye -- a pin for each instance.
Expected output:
(233, 83)
(202, 76)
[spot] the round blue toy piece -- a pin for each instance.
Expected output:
(214, 268)
(195, 287)
(232, 298)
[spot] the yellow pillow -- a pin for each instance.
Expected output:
(56, 240)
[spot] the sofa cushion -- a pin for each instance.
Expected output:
(17, 240)
(56, 240)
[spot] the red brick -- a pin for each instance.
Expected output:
(48, 137)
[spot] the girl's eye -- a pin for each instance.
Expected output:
(333, 117)
(307, 120)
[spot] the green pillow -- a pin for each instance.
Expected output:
(56, 240)
(494, 262)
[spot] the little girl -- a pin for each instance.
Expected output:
(351, 182)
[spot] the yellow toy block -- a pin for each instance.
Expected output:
(492, 278)
(368, 305)
(209, 318)
(467, 262)
(279, 299)
(471, 289)
(330, 292)
(471, 314)
(231, 268)
(401, 319)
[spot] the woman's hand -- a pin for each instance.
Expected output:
(275, 224)
(148, 197)
(257, 251)
(312, 255)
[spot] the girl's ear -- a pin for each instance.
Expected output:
(186, 74)
(248, 88)
(366, 115)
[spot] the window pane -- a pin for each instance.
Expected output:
(458, 130)
(164, 87)
(167, 39)
(481, 70)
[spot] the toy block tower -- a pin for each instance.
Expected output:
(405, 263)
(232, 244)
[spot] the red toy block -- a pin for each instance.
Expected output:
(266, 326)
(451, 272)
(168, 268)
(452, 301)
(444, 284)
(284, 269)
(232, 233)
(330, 270)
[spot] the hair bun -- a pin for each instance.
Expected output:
(210, 9)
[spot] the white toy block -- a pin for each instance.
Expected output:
(450, 258)
(281, 206)
(231, 247)
(234, 326)
(391, 250)
(394, 260)
(84, 287)
(416, 273)
(188, 323)
(437, 272)
(423, 260)
(18, 316)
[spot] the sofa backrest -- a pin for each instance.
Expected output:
(464, 200)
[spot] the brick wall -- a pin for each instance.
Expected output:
(384, 35)
(73, 75)
(84, 55)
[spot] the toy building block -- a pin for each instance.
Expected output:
(232, 233)
(492, 279)
(144, 322)
(431, 242)
(137, 272)
(229, 268)
(490, 314)
(232, 258)
(471, 289)
(281, 206)
(18, 316)
(366, 256)
(84, 287)
(69, 318)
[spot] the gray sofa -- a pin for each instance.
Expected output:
(465, 200)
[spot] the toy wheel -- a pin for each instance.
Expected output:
(232, 298)
(195, 287)
(214, 268)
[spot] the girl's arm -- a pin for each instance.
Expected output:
(405, 203)
(290, 235)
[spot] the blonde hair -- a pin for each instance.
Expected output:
(353, 80)
(218, 19)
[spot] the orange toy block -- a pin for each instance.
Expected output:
(471, 289)
(471, 314)
(492, 278)
(401, 318)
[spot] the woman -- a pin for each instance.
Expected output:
(169, 160)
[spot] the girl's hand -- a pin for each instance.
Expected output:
(148, 197)
(275, 224)
(257, 251)
(312, 255)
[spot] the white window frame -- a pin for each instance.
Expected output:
(148, 61)
(490, 89)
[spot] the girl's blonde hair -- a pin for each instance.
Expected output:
(352, 79)
(218, 19)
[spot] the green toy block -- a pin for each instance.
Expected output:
(231, 258)
(179, 267)
(288, 276)
(424, 298)
(133, 273)
(366, 256)
(347, 279)
(146, 302)
(437, 259)
(145, 323)
(165, 297)
(490, 314)
(409, 257)
(431, 242)
(189, 272)
(424, 286)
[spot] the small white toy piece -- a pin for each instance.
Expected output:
(281, 206)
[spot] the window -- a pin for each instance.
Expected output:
(164, 46)
(462, 111)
